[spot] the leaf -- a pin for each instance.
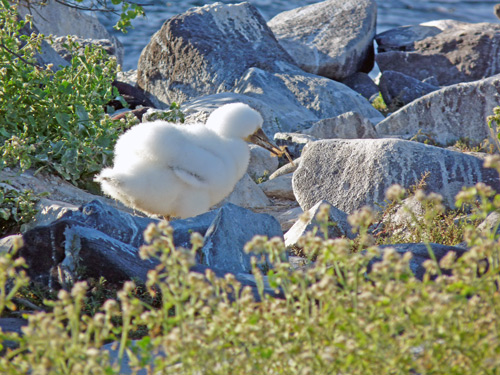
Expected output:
(81, 113)
(62, 119)
(4, 214)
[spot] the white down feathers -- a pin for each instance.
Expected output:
(181, 170)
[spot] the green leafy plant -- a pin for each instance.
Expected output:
(433, 223)
(16, 208)
(174, 114)
(53, 119)
(334, 317)
(379, 104)
(494, 125)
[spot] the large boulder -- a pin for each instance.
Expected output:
(275, 118)
(352, 173)
(461, 52)
(231, 230)
(287, 102)
(99, 241)
(220, 54)
(206, 50)
(446, 115)
(332, 38)
(305, 97)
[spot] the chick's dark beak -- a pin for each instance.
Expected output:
(260, 139)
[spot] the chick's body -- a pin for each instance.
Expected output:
(181, 170)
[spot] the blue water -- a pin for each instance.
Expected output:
(391, 13)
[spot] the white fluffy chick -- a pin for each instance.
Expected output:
(169, 169)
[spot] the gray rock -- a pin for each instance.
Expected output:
(332, 38)
(79, 238)
(352, 173)
(287, 102)
(129, 229)
(7, 243)
(431, 81)
(198, 110)
(58, 189)
(297, 262)
(11, 326)
(130, 77)
(454, 112)
(47, 55)
(280, 92)
(48, 211)
(491, 224)
(103, 242)
(405, 212)
(363, 84)
(246, 194)
(303, 98)
(56, 253)
(262, 163)
(420, 254)
(349, 125)
(106, 44)
(117, 224)
(232, 228)
(403, 38)
(464, 53)
(338, 219)
(288, 218)
(398, 89)
(206, 50)
(279, 187)
(54, 18)
(203, 59)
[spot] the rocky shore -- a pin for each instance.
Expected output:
(308, 77)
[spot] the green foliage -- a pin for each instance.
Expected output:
(53, 119)
(380, 105)
(494, 124)
(16, 208)
(174, 114)
(421, 218)
(335, 318)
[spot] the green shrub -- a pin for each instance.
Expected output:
(380, 105)
(16, 208)
(494, 124)
(50, 118)
(335, 318)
